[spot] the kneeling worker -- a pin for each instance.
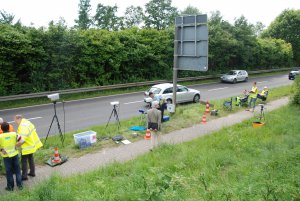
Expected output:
(154, 120)
(8, 143)
(263, 95)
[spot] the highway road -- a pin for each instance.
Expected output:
(81, 114)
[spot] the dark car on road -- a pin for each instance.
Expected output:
(294, 73)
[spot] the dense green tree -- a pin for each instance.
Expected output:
(160, 14)
(84, 21)
(105, 17)
(286, 27)
(190, 10)
(133, 16)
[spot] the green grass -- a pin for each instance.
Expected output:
(77, 96)
(235, 163)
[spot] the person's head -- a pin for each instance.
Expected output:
(5, 127)
(155, 104)
(18, 119)
(151, 94)
(254, 83)
(1, 120)
(265, 88)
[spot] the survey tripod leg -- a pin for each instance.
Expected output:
(115, 113)
(62, 138)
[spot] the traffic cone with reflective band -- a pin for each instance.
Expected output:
(56, 159)
(203, 119)
(207, 108)
(148, 134)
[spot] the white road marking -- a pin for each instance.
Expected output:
(27, 119)
(133, 102)
(217, 89)
(262, 82)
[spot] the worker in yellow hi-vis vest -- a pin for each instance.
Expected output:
(8, 142)
(32, 143)
(253, 96)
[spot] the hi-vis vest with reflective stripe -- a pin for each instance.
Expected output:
(26, 130)
(8, 142)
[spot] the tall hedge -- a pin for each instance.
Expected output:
(58, 57)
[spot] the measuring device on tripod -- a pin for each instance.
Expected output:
(54, 98)
(114, 112)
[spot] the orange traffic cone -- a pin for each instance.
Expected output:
(56, 159)
(148, 134)
(207, 108)
(203, 119)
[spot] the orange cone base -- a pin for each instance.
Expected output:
(56, 161)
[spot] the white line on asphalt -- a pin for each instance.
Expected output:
(217, 89)
(262, 82)
(133, 102)
(27, 119)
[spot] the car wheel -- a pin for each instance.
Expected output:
(169, 101)
(234, 81)
(246, 79)
(196, 98)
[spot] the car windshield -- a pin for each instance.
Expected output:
(154, 90)
(296, 69)
(231, 73)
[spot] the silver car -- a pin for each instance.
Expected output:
(165, 91)
(235, 76)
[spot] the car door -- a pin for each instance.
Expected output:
(168, 93)
(239, 76)
(182, 94)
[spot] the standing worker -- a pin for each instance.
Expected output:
(8, 143)
(154, 121)
(253, 96)
(32, 143)
(11, 128)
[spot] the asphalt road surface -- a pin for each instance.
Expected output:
(82, 114)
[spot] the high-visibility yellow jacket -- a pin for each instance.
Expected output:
(8, 142)
(264, 92)
(253, 93)
(27, 130)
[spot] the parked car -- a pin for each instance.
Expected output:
(165, 91)
(235, 76)
(294, 73)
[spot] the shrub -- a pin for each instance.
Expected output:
(296, 91)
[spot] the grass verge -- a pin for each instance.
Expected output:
(235, 163)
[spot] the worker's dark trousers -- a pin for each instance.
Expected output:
(30, 159)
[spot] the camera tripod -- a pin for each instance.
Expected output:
(62, 137)
(262, 113)
(115, 113)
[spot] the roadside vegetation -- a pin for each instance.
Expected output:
(235, 163)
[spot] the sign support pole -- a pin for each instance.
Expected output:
(175, 71)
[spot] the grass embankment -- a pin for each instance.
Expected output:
(78, 96)
(235, 163)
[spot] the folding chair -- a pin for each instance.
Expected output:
(228, 104)
(243, 101)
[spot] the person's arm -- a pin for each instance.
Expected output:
(159, 120)
(20, 141)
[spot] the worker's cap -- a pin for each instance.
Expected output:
(265, 87)
(155, 104)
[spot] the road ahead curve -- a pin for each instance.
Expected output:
(85, 113)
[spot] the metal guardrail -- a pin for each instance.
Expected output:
(120, 86)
